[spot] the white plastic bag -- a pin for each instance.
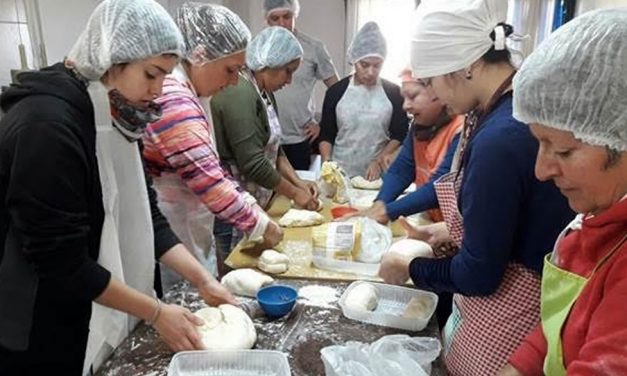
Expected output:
(393, 355)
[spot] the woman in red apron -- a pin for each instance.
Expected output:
(574, 98)
(499, 215)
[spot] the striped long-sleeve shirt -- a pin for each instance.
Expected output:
(181, 143)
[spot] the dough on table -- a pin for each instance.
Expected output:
(226, 327)
(245, 282)
(419, 307)
(412, 248)
(301, 218)
(273, 262)
(359, 182)
(362, 297)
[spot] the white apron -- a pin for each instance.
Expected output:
(189, 217)
(127, 241)
(363, 122)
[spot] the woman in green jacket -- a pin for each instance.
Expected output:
(248, 131)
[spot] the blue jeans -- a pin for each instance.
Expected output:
(226, 238)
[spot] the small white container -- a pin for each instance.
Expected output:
(392, 303)
(229, 363)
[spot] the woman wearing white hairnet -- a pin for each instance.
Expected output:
(572, 91)
(499, 215)
(77, 228)
(363, 122)
(247, 126)
(179, 150)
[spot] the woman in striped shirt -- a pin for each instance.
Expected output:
(179, 150)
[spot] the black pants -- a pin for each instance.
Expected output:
(58, 337)
(444, 308)
(299, 155)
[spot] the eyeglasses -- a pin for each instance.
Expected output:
(426, 81)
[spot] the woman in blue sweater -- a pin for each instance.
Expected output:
(502, 218)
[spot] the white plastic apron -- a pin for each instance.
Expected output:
(127, 241)
(363, 122)
(188, 216)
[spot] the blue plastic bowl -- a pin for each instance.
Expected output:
(277, 300)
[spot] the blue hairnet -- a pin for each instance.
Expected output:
(270, 6)
(576, 80)
(274, 47)
(211, 32)
(369, 41)
(121, 31)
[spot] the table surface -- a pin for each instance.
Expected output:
(312, 325)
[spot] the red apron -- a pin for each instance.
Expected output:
(482, 332)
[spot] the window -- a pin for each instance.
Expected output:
(394, 17)
(15, 42)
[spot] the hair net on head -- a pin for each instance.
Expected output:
(576, 80)
(121, 31)
(274, 47)
(368, 41)
(451, 35)
(210, 32)
(270, 6)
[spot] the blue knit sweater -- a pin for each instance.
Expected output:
(402, 173)
(508, 215)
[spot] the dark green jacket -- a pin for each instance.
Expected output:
(242, 131)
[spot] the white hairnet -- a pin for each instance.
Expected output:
(274, 47)
(210, 32)
(576, 80)
(121, 31)
(451, 35)
(270, 6)
(369, 41)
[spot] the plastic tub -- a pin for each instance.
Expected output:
(392, 303)
(277, 300)
(229, 363)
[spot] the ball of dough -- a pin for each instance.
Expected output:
(301, 218)
(245, 282)
(362, 297)
(412, 248)
(359, 182)
(226, 328)
(273, 262)
(419, 307)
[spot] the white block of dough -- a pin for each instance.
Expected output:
(301, 218)
(418, 307)
(359, 182)
(363, 297)
(226, 328)
(273, 262)
(245, 282)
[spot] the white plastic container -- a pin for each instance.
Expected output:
(392, 303)
(229, 363)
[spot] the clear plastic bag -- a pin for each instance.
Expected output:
(394, 355)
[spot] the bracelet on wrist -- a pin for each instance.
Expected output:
(155, 315)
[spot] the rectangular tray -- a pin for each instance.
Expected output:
(390, 308)
(229, 363)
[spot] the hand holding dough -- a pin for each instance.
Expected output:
(226, 327)
(359, 182)
(301, 218)
(245, 282)
(412, 248)
(362, 297)
(273, 262)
